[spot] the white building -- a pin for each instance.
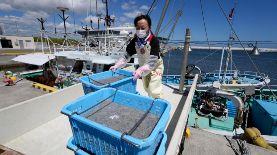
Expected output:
(16, 42)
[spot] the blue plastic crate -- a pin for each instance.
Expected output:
(100, 139)
(126, 84)
(160, 150)
(264, 116)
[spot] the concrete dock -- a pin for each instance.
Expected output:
(20, 92)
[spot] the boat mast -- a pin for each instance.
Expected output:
(97, 15)
(221, 61)
(107, 21)
(230, 41)
(229, 51)
(86, 36)
(161, 18)
(177, 16)
(43, 35)
(108, 24)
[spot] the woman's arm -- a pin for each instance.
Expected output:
(152, 61)
(153, 58)
(130, 50)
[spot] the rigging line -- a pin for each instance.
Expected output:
(204, 23)
(154, 3)
(232, 28)
(206, 56)
(174, 17)
(169, 56)
(168, 24)
(231, 40)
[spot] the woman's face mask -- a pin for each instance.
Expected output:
(142, 28)
(141, 33)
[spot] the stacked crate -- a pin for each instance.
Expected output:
(117, 121)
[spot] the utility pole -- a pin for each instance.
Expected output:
(185, 61)
(161, 18)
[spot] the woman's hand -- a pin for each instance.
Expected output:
(141, 71)
(113, 68)
(137, 74)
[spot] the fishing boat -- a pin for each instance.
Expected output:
(201, 121)
(97, 51)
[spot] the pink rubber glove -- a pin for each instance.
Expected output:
(140, 71)
(113, 68)
(119, 64)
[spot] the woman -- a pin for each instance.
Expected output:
(147, 48)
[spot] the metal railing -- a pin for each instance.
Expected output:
(175, 142)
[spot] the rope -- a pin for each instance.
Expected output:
(236, 151)
(241, 148)
(168, 24)
(234, 32)
(202, 59)
(204, 23)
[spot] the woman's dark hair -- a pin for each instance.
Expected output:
(140, 17)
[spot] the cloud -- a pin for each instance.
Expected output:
(144, 7)
(93, 18)
(28, 25)
(122, 19)
(133, 8)
(29, 10)
(125, 6)
(5, 7)
(30, 17)
(50, 6)
(133, 14)
(68, 25)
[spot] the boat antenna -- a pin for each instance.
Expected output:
(55, 29)
(42, 31)
(42, 21)
(108, 19)
(74, 22)
(16, 24)
(98, 15)
(86, 35)
(90, 14)
(43, 34)
(63, 9)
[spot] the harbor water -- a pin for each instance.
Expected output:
(209, 60)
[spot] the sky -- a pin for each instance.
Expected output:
(253, 19)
